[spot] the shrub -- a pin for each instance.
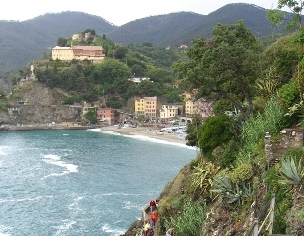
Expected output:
(255, 128)
(289, 95)
(228, 156)
(68, 101)
(214, 132)
(189, 221)
(241, 173)
(202, 178)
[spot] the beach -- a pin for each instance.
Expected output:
(150, 132)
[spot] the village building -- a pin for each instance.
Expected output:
(106, 114)
(168, 112)
(139, 79)
(146, 107)
(191, 107)
(92, 53)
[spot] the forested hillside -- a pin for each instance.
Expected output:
(180, 28)
(108, 83)
(251, 150)
(22, 42)
(254, 90)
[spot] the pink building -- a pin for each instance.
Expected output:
(106, 114)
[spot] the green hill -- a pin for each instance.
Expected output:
(21, 42)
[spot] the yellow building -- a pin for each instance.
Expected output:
(146, 107)
(186, 96)
(93, 53)
(191, 107)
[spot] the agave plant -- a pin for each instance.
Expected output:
(297, 109)
(226, 191)
(222, 187)
(292, 174)
(203, 176)
(269, 84)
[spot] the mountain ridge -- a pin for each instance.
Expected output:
(32, 38)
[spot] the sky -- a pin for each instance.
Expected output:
(117, 12)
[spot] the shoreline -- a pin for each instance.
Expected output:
(150, 132)
(44, 127)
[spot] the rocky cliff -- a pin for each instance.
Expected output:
(31, 102)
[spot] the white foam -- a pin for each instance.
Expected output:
(109, 132)
(3, 150)
(150, 139)
(128, 205)
(4, 230)
(24, 199)
(52, 157)
(118, 194)
(94, 130)
(66, 225)
(56, 160)
(75, 203)
(115, 232)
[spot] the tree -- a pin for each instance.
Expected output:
(120, 52)
(110, 70)
(296, 7)
(61, 41)
(91, 116)
(146, 88)
(224, 67)
(147, 44)
(215, 132)
(138, 70)
(192, 131)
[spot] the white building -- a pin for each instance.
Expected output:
(168, 111)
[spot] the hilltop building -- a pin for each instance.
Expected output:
(139, 79)
(93, 53)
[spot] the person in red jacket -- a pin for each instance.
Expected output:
(152, 205)
(153, 218)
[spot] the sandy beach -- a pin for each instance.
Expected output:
(149, 132)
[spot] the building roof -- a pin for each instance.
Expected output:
(79, 47)
(61, 48)
(88, 47)
(150, 98)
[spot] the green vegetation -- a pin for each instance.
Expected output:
(189, 220)
(254, 90)
(266, 95)
(85, 81)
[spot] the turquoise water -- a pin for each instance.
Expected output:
(81, 182)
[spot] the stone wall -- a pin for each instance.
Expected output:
(292, 138)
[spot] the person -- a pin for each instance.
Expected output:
(169, 232)
(146, 227)
(150, 232)
(152, 204)
(153, 218)
(156, 202)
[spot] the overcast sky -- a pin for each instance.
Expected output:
(117, 12)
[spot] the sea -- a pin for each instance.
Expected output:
(81, 182)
